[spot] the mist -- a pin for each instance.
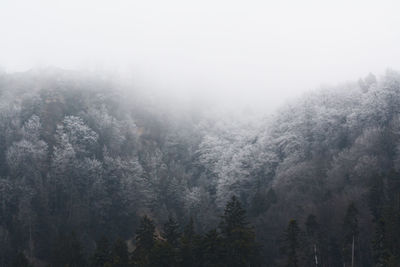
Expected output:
(199, 133)
(254, 53)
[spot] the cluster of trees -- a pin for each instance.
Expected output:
(231, 244)
(312, 246)
(88, 155)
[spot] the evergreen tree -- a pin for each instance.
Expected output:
(234, 217)
(376, 197)
(350, 231)
(171, 232)
(312, 232)
(119, 254)
(380, 252)
(145, 239)
(391, 214)
(102, 253)
(334, 254)
(21, 261)
(163, 255)
(292, 243)
(212, 250)
(68, 251)
(391, 231)
(145, 235)
(188, 231)
(238, 238)
(188, 242)
(165, 252)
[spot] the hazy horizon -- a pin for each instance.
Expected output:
(199, 133)
(254, 53)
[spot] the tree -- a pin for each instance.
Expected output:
(292, 243)
(312, 231)
(119, 254)
(68, 251)
(380, 252)
(334, 255)
(171, 232)
(213, 253)
(188, 242)
(163, 255)
(101, 255)
(238, 237)
(376, 197)
(350, 231)
(234, 217)
(20, 260)
(79, 135)
(145, 240)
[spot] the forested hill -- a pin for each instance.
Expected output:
(84, 158)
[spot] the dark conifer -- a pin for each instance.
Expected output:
(171, 232)
(102, 253)
(21, 261)
(292, 243)
(145, 240)
(350, 234)
(188, 241)
(238, 239)
(119, 254)
(212, 250)
(312, 234)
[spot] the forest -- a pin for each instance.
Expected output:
(96, 173)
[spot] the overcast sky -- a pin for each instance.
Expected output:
(246, 51)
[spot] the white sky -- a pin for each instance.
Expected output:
(245, 51)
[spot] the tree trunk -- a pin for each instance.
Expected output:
(315, 255)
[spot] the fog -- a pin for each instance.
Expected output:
(255, 53)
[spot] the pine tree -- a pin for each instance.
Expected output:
(334, 255)
(171, 232)
(165, 252)
(145, 240)
(234, 217)
(145, 235)
(68, 251)
(376, 198)
(380, 252)
(102, 253)
(188, 232)
(391, 230)
(391, 216)
(292, 243)
(212, 250)
(350, 230)
(188, 242)
(163, 255)
(312, 231)
(238, 237)
(21, 261)
(119, 254)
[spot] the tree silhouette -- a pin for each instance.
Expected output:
(292, 243)
(238, 239)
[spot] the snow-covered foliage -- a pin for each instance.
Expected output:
(77, 154)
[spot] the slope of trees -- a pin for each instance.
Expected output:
(87, 155)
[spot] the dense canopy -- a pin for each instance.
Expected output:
(84, 158)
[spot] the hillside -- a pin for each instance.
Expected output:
(88, 155)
